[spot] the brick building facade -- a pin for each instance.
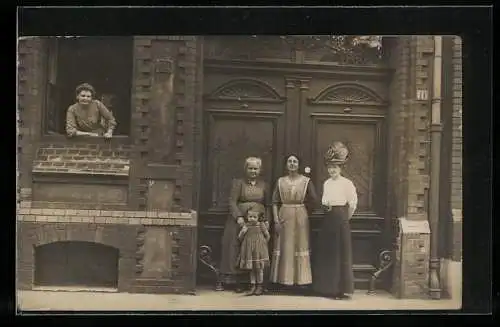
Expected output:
(153, 191)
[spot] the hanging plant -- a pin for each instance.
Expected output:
(343, 49)
(348, 49)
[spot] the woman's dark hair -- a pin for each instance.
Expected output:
(285, 160)
(85, 87)
(341, 164)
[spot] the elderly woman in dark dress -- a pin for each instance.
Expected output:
(248, 192)
(88, 116)
(294, 197)
(332, 273)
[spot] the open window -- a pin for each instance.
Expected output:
(104, 62)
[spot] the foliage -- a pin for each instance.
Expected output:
(337, 42)
(334, 42)
(349, 47)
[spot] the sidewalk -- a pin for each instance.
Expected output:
(211, 300)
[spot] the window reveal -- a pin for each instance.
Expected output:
(104, 62)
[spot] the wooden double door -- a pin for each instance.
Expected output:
(269, 115)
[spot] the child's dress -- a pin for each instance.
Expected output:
(254, 253)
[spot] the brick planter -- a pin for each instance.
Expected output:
(157, 250)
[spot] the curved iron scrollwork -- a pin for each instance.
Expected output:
(385, 262)
(206, 258)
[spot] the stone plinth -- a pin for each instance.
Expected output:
(412, 255)
(156, 250)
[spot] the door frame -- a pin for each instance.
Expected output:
(379, 160)
(378, 115)
(210, 114)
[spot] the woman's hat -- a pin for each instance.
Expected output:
(336, 154)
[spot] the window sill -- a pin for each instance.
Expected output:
(60, 138)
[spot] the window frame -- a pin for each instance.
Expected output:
(50, 69)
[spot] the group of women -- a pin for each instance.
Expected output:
(286, 213)
(255, 214)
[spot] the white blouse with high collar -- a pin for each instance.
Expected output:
(339, 192)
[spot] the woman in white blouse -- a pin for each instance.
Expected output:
(332, 273)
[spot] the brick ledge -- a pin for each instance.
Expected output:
(160, 218)
(83, 171)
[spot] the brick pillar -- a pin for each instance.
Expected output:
(141, 95)
(166, 88)
(418, 138)
(409, 119)
(409, 132)
(197, 128)
(398, 52)
(456, 164)
(186, 126)
(31, 59)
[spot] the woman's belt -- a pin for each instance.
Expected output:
(330, 207)
(290, 205)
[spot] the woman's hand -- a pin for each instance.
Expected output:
(240, 221)
(244, 229)
(80, 133)
(108, 135)
(277, 226)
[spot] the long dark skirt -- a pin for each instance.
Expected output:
(230, 251)
(332, 272)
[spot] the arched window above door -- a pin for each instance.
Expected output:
(246, 90)
(348, 93)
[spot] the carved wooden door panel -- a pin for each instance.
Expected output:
(354, 115)
(242, 118)
(360, 135)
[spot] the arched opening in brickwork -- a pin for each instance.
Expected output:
(75, 263)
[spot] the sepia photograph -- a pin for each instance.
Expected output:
(239, 172)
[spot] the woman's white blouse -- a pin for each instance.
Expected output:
(339, 192)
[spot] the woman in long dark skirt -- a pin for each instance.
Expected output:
(332, 273)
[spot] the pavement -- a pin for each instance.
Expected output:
(212, 300)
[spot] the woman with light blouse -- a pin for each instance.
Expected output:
(89, 116)
(332, 273)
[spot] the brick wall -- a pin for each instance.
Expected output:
(456, 161)
(181, 277)
(166, 143)
(30, 103)
(197, 123)
(78, 158)
(174, 147)
(191, 62)
(418, 136)
(409, 121)
(411, 264)
(141, 95)
(34, 234)
(399, 60)
(44, 215)
(123, 230)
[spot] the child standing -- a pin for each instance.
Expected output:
(254, 253)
